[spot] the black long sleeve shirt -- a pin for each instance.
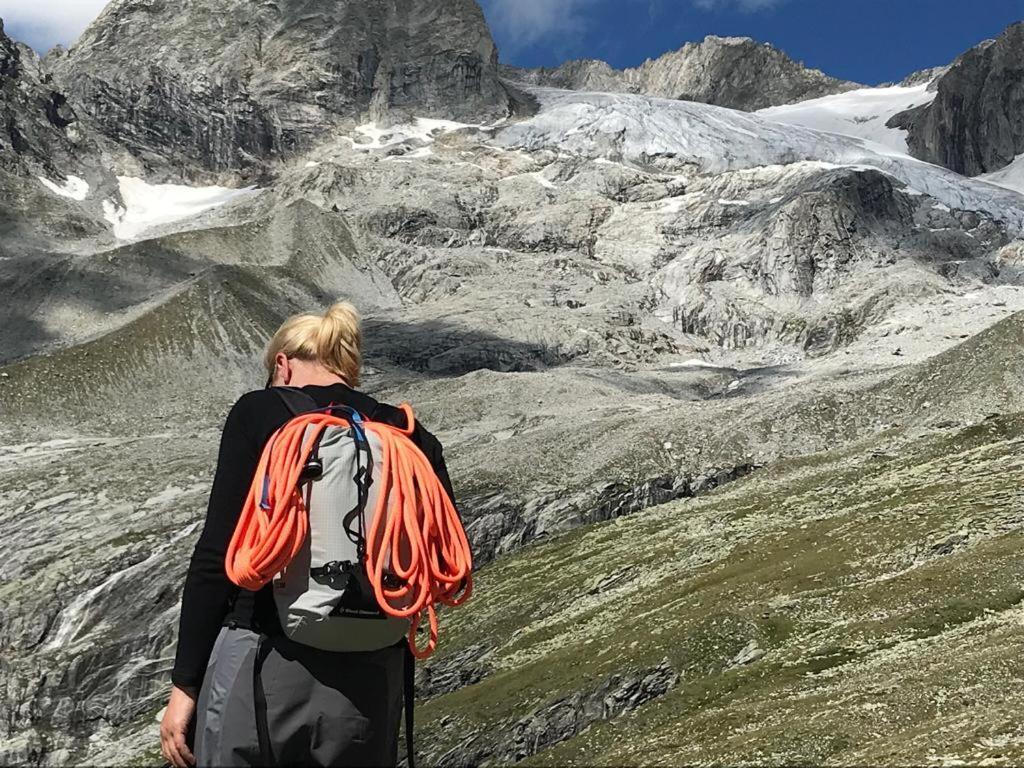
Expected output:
(210, 600)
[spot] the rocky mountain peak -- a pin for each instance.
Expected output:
(43, 141)
(927, 76)
(9, 55)
(39, 128)
(731, 40)
(228, 84)
(973, 126)
(736, 72)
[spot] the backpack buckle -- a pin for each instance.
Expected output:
(334, 574)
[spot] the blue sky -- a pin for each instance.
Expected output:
(869, 41)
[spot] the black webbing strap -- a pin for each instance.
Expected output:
(259, 698)
(363, 480)
(296, 401)
(409, 697)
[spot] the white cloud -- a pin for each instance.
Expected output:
(44, 23)
(524, 22)
(743, 5)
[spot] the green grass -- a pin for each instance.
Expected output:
(828, 562)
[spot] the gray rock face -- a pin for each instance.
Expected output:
(821, 240)
(975, 124)
(562, 719)
(577, 75)
(39, 128)
(734, 72)
(924, 76)
(499, 523)
(229, 84)
(463, 668)
(41, 135)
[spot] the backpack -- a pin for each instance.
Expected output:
(323, 596)
(342, 510)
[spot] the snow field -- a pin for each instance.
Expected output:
(150, 205)
(861, 114)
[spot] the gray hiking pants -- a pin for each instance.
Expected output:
(268, 702)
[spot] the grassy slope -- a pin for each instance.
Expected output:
(885, 589)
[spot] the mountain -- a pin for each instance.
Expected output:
(739, 392)
(41, 127)
(734, 72)
(231, 84)
(43, 137)
(974, 123)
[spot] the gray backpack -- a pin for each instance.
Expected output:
(323, 597)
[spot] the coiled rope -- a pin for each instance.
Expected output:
(415, 534)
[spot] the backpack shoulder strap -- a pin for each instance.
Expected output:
(409, 697)
(296, 401)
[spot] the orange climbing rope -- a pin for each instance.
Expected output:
(415, 534)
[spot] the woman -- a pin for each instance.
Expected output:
(253, 697)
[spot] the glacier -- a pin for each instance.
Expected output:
(671, 135)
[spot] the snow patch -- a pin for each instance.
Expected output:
(414, 155)
(537, 176)
(150, 205)
(695, 363)
(1010, 177)
(73, 187)
(421, 152)
(422, 128)
(733, 202)
(543, 180)
(862, 113)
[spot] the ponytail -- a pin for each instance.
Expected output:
(339, 342)
(333, 339)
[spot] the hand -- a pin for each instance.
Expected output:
(181, 708)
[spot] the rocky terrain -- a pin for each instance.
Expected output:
(734, 72)
(738, 393)
(43, 135)
(243, 82)
(973, 125)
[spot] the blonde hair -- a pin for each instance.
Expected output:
(333, 339)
